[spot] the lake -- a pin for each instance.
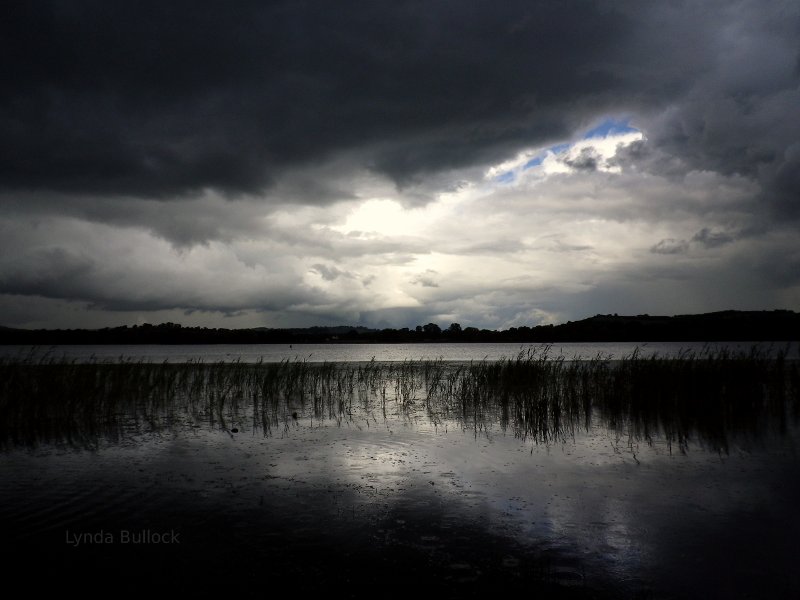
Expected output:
(589, 480)
(366, 352)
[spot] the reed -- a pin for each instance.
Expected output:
(706, 396)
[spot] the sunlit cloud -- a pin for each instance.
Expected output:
(652, 171)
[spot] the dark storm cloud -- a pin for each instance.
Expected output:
(112, 281)
(328, 272)
(163, 98)
(585, 161)
(426, 279)
(737, 115)
(52, 272)
(208, 124)
(712, 239)
(705, 238)
(670, 246)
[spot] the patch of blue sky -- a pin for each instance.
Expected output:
(506, 177)
(610, 127)
(537, 160)
(559, 148)
(534, 162)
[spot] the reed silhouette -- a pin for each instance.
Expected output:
(704, 396)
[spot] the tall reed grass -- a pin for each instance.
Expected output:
(541, 397)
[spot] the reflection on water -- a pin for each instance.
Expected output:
(534, 395)
(351, 353)
(638, 478)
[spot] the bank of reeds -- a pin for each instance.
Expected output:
(705, 396)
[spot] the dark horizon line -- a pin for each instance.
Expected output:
(732, 312)
(726, 325)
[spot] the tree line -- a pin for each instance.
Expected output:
(776, 325)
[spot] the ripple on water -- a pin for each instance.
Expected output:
(466, 504)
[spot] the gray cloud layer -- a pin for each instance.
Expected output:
(217, 125)
(158, 99)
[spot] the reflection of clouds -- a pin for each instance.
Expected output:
(376, 465)
(599, 510)
(616, 534)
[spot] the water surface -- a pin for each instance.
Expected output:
(396, 492)
(463, 352)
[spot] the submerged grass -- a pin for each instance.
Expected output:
(706, 396)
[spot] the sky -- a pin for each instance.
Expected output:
(389, 164)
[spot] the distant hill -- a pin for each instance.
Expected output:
(776, 325)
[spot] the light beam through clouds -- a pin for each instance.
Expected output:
(392, 166)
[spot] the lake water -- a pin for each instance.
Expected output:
(365, 352)
(384, 497)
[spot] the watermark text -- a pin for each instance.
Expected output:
(122, 536)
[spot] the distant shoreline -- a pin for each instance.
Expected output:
(725, 326)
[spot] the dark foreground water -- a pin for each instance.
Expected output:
(388, 499)
(401, 507)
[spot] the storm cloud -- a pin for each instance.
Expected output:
(498, 164)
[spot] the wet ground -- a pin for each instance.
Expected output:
(399, 504)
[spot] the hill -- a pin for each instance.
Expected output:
(776, 325)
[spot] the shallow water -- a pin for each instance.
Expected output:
(252, 353)
(403, 500)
